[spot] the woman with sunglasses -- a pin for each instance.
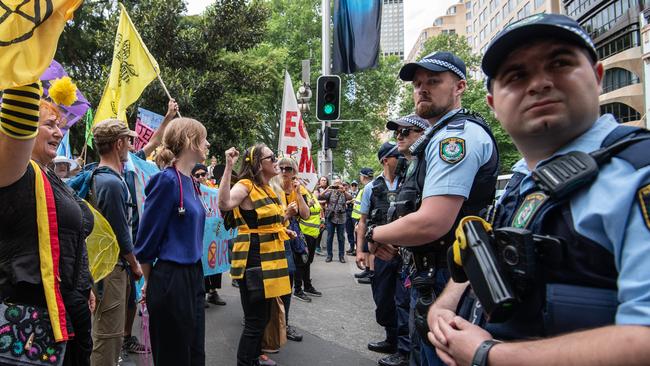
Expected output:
(171, 235)
(258, 260)
(294, 197)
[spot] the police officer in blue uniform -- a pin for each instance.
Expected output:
(455, 174)
(375, 202)
(582, 191)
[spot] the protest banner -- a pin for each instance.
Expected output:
(294, 140)
(146, 124)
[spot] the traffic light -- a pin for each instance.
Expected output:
(331, 137)
(328, 98)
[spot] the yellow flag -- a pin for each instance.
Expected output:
(133, 68)
(29, 33)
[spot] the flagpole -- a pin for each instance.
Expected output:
(165, 88)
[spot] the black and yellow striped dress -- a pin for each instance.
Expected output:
(271, 233)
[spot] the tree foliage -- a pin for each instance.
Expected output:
(225, 67)
(474, 96)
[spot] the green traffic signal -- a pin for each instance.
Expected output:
(328, 108)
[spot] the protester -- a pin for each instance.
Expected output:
(211, 173)
(110, 195)
(350, 223)
(323, 183)
(212, 282)
(589, 299)
(293, 196)
(335, 196)
(311, 229)
(131, 343)
(171, 234)
(41, 215)
(259, 216)
(63, 167)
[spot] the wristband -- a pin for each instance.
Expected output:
(20, 111)
(481, 354)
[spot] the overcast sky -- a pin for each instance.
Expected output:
(418, 14)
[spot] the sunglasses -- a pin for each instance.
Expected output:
(270, 157)
(200, 175)
(287, 169)
(405, 132)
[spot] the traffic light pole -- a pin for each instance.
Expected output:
(325, 155)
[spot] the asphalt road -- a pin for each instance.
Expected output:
(336, 327)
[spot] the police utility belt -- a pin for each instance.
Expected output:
(504, 265)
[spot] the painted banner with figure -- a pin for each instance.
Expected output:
(215, 239)
(294, 140)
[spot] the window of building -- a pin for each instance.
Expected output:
(622, 112)
(493, 5)
(622, 40)
(468, 15)
(468, 29)
(539, 3)
(438, 21)
(451, 10)
(527, 9)
(617, 78)
(493, 24)
(483, 17)
(605, 19)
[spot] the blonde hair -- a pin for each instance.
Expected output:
(181, 134)
(290, 160)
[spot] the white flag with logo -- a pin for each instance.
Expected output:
(294, 140)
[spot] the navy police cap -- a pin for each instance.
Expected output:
(435, 62)
(521, 32)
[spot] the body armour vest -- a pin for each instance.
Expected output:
(380, 201)
(481, 194)
(576, 283)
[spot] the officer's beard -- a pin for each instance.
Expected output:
(431, 110)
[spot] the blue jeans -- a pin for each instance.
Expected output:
(340, 228)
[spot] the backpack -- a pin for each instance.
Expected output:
(82, 182)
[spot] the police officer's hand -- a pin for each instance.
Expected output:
(360, 259)
(461, 340)
(385, 252)
(434, 313)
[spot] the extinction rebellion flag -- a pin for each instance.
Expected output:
(29, 33)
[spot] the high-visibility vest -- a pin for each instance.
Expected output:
(311, 226)
(356, 208)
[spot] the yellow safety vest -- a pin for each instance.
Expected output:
(272, 234)
(311, 226)
(356, 208)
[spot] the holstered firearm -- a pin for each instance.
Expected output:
(472, 257)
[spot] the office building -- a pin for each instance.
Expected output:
(454, 21)
(392, 28)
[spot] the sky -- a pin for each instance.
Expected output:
(418, 14)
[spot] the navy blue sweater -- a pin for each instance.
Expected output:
(163, 233)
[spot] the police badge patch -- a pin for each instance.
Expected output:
(452, 150)
(644, 203)
(528, 208)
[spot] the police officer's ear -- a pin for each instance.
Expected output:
(599, 72)
(461, 85)
(489, 99)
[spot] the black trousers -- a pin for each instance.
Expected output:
(383, 292)
(256, 316)
(175, 300)
(303, 270)
(79, 348)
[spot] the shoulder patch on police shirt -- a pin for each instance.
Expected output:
(644, 202)
(452, 149)
(528, 208)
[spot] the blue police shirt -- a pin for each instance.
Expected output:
(367, 193)
(450, 176)
(610, 214)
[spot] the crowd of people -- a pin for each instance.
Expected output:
(546, 275)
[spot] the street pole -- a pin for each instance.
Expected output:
(325, 156)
